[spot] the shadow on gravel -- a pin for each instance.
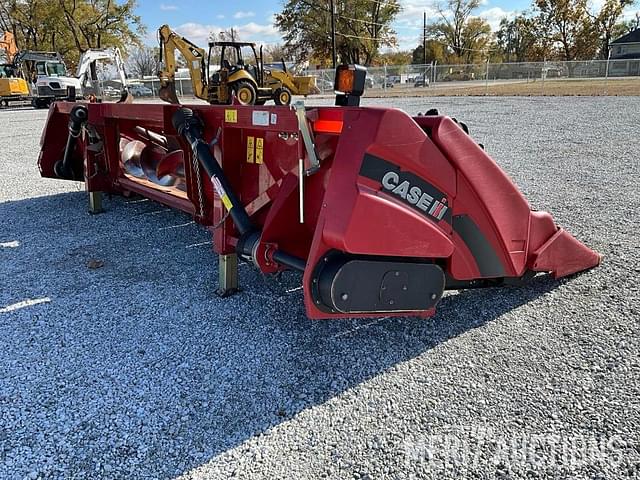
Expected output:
(135, 366)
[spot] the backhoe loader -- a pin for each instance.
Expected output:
(244, 78)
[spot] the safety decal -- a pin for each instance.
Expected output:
(231, 116)
(260, 118)
(250, 149)
(222, 193)
(259, 150)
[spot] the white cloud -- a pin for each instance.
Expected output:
(630, 14)
(242, 14)
(494, 15)
(199, 33)
(167, 7)
(220, 16)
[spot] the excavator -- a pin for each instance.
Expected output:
(88, 76)
(12, 86)
(250, 83)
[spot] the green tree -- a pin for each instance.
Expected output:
(467, 36)
(71, 27)
(522, 39)
(363, 27)
(606, 23)
(435, 53)
(570, 28)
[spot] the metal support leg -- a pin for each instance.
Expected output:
(95, 203)
(228, 275)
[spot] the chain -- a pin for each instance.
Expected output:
(196, 167)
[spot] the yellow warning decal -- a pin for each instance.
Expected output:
(260, 150)
(250, 148)
(231, 116)
(227, 203)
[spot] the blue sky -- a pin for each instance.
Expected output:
(195, 19)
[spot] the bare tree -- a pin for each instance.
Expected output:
(143, 62)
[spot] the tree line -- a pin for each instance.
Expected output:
(548, 30)
(71, 27)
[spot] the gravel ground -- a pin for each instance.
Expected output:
(136, 370)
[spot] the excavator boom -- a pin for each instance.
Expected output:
(170, 41)
(8, 44)
(90, 57)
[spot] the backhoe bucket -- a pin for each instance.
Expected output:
(168, 93)
(379, 211)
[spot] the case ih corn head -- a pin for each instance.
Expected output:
(380, 211)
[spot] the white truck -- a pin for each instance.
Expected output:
(47, 76)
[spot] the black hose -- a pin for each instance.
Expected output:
(77, 118)
(190, 127)
(290, 261)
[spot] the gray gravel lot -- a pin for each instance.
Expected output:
(136, 370)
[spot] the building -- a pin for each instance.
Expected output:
(625, 55)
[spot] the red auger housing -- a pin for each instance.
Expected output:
(380, 211)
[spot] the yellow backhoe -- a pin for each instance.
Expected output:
(246, 79)
(12, 86)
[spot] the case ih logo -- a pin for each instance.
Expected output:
(411, 189)
(414, 195)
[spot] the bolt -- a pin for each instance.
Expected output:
(344, 297)
(397, 274)
(433, 296)
(405, 288)
(391, 302)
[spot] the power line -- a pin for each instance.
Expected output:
(362, 21)
(379, 39)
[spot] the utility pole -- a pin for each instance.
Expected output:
(424, 40)
(333, 33)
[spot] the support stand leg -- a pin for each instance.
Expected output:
(95, 203)
(228, 275)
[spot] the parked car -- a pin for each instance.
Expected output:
(421, 81)
(140, 91)
(369, 83)
(325, 85)
(110, 91)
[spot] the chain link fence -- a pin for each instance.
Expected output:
(401, 79)
(532, 78)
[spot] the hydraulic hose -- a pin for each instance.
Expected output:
(190, 127)
(77, 118)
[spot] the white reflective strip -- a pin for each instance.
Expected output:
(25, 304)
(14, 244)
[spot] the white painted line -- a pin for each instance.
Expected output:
(14, 244)
(25, 304)
(177, 226)
(194, 245)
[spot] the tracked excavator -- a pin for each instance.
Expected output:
(240, 73)
(13, 87)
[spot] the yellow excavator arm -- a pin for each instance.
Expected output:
(170, 41)
(8, 44)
